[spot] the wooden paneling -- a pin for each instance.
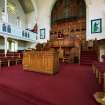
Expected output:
(69, 35)
(41, 61)
(71, 30)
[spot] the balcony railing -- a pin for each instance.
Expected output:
(17, 33)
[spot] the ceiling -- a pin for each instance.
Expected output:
(27, 5)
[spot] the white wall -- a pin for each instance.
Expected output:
(95, 10)
(44, 12)
(31, 18)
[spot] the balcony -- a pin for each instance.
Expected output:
(16, 33)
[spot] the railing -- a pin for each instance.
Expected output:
(62, 43)
(17, 33)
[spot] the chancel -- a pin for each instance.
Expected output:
(52, 52)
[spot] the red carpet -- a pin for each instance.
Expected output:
(73, 85)
(88, 57)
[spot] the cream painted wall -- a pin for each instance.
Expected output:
(95, 10)
(31, 18)
(43, 17)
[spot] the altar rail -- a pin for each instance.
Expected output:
(41, 61)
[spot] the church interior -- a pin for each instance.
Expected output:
(52, 52)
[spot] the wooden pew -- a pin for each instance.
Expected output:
(99, 70)
(10, 59)
(104, 83)
(41, 61)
